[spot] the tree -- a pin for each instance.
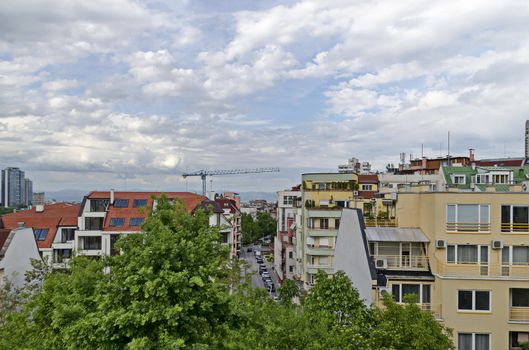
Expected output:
(403, 327)
(249, 229)
(167, 290)
(288, 291)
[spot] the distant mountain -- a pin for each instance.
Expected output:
(69, 195)
(248, 196)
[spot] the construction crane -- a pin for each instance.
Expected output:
(205, 173)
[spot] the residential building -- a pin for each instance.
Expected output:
(233, 216)
(38, 198)
(14, 188)
(17, 249)
(485, 178)
(288, 210)
(104, 216)
(53, 226)
(323, 196)
(28, 192)
(354, 165)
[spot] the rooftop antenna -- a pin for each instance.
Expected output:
(448, 154)
(422, 150)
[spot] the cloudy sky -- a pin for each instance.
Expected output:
(101, 94)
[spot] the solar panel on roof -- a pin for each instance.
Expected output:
(117, 222)
(121, 203)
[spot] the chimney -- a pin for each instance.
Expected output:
(471, 155)
(20, 224)
(111, 196)
(39, 208)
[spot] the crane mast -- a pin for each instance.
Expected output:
(205, 173)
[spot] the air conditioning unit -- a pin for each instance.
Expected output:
(355, 193)
(440, 244)
(381, 263)
(497, 244)
(384, 290)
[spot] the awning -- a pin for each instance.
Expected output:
(395, 234)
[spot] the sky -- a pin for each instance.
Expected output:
(127, 94)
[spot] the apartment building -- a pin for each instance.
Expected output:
(323, 196)
(16, 189)
(103, 216)
(53, 225)
(288, 211)
(229, 219)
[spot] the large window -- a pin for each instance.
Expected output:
(467, 217)
(515, 218)
(421, 291)
(515, 255)
(92, 243)
(459, 179)
(473, 341)
(98, 205)
(519, 297)
(473, 300)
(93, 224)
(288, 200)
(68, 234)
(324, 223)
(467, 254)
(367, 187)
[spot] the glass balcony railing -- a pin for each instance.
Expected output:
(402, 262)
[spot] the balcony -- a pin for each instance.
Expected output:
(319, 250)
(515, 272)
(313, 268)
(404, 262)
(374, 222)
(323, 212)
(519, 314)
(467, 227)
(435, 309)
(318, 232)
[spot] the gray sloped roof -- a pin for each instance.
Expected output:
(395, 234)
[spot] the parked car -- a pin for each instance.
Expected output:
(265, 274)
(249, 250)
(259, 260)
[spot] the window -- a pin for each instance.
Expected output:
(518, 338)
(92, 243)
(310, 222)
(291, 268)
(467, 254)
(288, 200)
(68, 234)
(459, 179)
(336, 223)
(117, 222)
(367, 187)
(121, 203)
(324, 223)
(323, 260)
(421, 291)
(467, 217)
(98, 205)
(136, 221)
(93, 224)
(138, 203)
(515, 218)
(473, 341)
(341, 204)
(473, 300)
(519, 297)
(290, 255)
(515, 255)
(41, 234)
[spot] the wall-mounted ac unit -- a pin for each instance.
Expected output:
(355, 193)
(384, 290)
(497, 244)
(440, 244)
(381, 263)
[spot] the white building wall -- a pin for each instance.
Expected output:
(17, 259)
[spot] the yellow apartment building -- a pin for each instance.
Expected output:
(478, 255)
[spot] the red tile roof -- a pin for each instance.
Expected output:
(367, 179)
(54, 216)
(226, 203)
(191, 200)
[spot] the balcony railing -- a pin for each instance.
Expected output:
(404, 262)
(319, 250)
(467, 227)
(519, 314)
(435, 309)
(508, 227)
(313, 268)
(483, 270)
(373, 222)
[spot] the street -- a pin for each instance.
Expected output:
(257, 281)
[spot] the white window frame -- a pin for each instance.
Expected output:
(474, 300)
(455, 180)
(474, 338)
(367, 187)
(468, 263)
(457, 216)
(511, 263)
(420, 301)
